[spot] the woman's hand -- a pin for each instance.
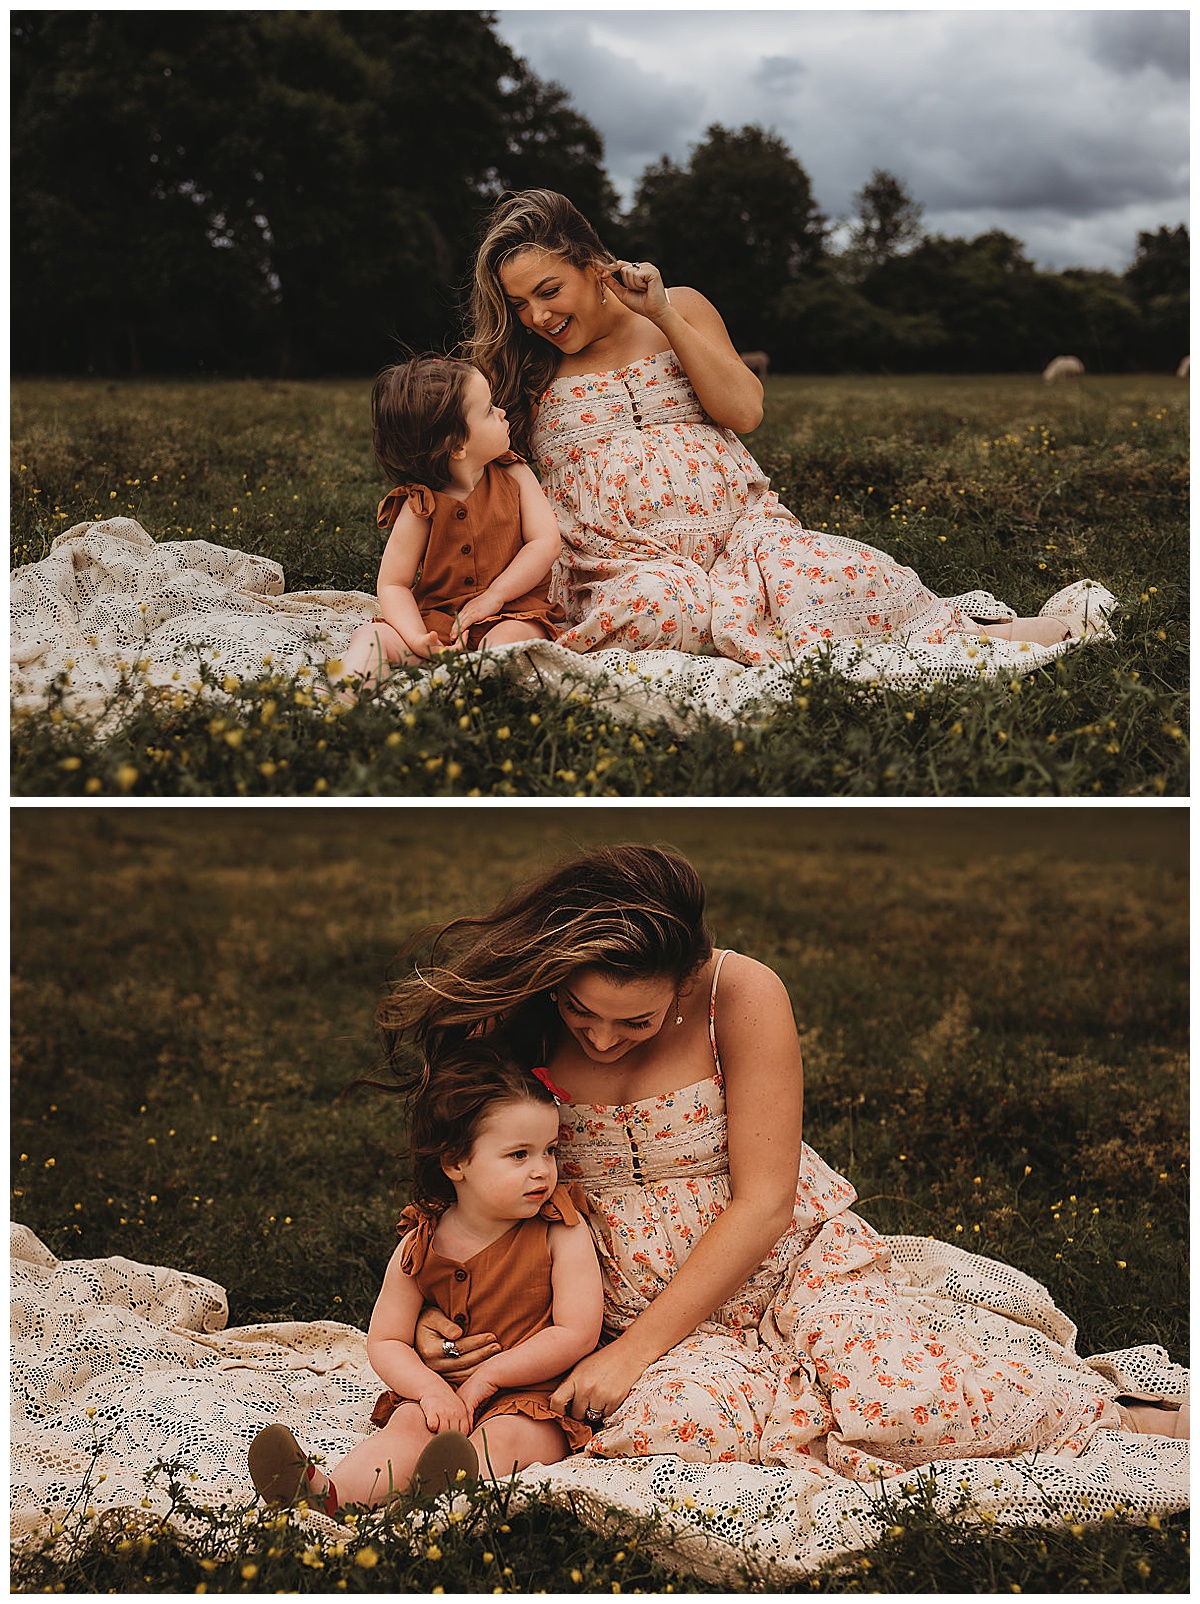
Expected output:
(434, 1327)
(640, 288)
(598, 1384)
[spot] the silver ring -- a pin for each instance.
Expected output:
(450, 1349)
(593, 1417)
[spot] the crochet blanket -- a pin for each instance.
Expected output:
(109, 600)
(134, 1361)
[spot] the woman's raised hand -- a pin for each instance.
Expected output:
(435, 1330)
(640, 288)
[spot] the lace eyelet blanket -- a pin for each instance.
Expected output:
(109, 600)
(146, 1348)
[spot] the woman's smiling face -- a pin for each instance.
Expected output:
(552, 298)
(609, 1018)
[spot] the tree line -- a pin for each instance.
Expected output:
(295, 193)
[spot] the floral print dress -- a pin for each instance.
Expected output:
(818, 1354)
(673, 537)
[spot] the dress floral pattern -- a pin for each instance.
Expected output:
(673, 537)
(818, 1354)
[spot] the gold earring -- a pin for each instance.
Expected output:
(678, 1015)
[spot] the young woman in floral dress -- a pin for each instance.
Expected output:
(627, 397)
(752, 1315)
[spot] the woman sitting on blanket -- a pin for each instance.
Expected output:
(750, 1313)
(626, 395)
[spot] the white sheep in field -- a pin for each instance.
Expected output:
(1063, 367)
(758, 362)
(1184, 368)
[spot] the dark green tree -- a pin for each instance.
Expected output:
(738, 223)
(1158, 279)
(265, 191)
(888, 220)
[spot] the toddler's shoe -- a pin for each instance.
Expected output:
(1085, 607)
(278, 1465)
(449, 1462)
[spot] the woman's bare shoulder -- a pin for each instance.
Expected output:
(746, 980)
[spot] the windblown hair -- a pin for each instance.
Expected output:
(630, 912)
(447, 1108)
(517, 364)
(418, 418)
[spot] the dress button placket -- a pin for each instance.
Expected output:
(633, 402)
(635, 1157)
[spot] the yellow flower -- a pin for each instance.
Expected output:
(233, 738)
(367, 1557)
(127, 776)
(433, 1552)
(249, 1572)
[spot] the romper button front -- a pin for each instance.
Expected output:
(461, 513)
(460, 1275)
(466, 549)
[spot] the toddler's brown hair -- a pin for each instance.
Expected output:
(418, 418)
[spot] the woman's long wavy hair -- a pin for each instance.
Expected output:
(517, 364)
(630, 912)
(446, 1113)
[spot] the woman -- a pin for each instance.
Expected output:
(752, 1314)
(627, 395)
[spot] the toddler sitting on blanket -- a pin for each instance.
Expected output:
(473, 538)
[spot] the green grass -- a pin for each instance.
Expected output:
(996, 482)
(993, 1008)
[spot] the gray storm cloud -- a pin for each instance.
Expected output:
(1068, 129)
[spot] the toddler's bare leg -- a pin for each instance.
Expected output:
(511, 630)
(382, 1464)
(510, 1442)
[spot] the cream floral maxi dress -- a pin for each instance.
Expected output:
(673, 537)
(818, 1354)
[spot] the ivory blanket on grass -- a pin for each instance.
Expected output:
(109, 597)
(146, 1347)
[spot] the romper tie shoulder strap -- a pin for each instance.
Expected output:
(712, 1016)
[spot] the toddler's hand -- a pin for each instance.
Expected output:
(479, 607)
(476, 1390)
(444, 1410)
(425, 645)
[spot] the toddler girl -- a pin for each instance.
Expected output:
(473, 538)
(497, 1245)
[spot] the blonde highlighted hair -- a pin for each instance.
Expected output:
(630, 912)
(516, 363)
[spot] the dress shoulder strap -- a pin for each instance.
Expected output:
(712, 1016)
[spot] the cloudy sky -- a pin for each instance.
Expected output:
(1068, 129)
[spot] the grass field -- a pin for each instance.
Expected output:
(999, 482)
(993, 1007)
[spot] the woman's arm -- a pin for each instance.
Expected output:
(760, 1056)
(728, 391)
(394, 1359)
(397, 569)
(540, 546)
(578, 1310)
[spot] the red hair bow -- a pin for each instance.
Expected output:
(556, 1092)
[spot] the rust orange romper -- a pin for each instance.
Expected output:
(505, 1289)
(470, 543)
